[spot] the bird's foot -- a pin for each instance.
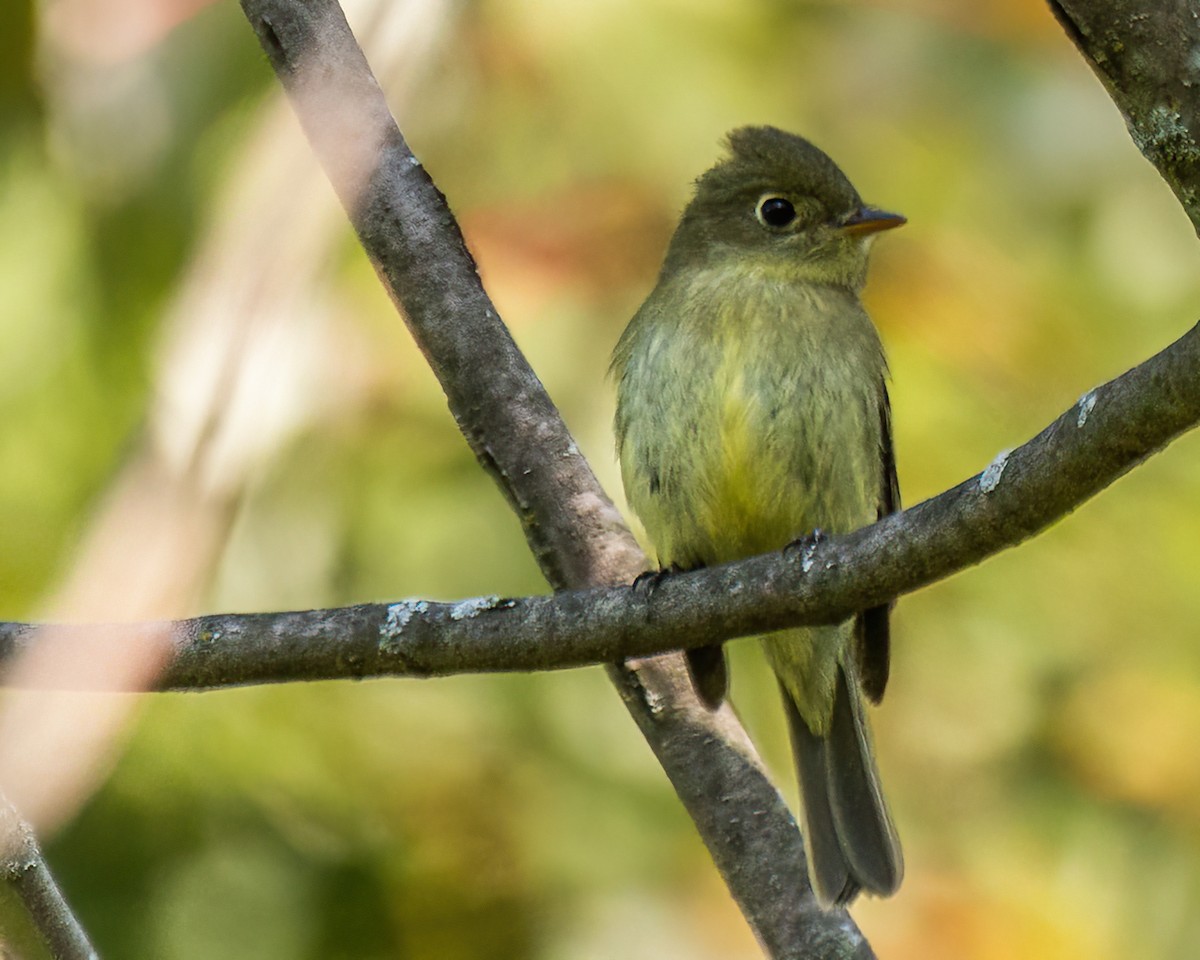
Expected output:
(804, 547)
(646, 583)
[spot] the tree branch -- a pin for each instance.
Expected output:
(24, 868)
(500, 406)
(1105, 434)
(1145, 55)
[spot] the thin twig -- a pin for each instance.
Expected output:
(24, 869)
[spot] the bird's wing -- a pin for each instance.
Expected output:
(873, 632)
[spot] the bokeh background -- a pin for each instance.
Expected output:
(207, 403)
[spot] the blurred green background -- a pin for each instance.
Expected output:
(1040, 737)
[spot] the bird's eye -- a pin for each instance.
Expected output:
(775, 211)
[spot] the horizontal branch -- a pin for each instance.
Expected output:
(1110, 430)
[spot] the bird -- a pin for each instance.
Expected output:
(753, 413)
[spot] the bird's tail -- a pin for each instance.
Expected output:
(848, 832)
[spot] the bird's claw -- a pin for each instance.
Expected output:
(806, 542)
(646, 583)
(804, 546)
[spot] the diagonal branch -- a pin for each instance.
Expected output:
(575, 533)
(24, 868)
(1145, 55)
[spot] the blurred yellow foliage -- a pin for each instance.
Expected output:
(1133, 736)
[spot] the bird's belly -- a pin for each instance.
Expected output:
(778, 464)
(751, 428)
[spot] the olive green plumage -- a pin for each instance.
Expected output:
(752, 410)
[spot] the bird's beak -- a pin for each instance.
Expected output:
(868, 220)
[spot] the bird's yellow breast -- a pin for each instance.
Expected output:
(748, 421)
